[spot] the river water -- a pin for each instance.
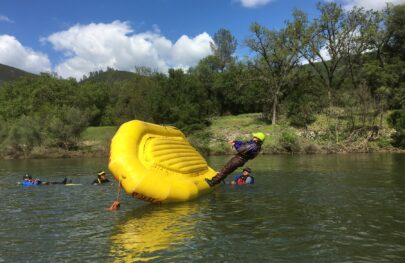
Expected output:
(312, 208)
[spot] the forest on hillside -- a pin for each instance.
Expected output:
(347, 65)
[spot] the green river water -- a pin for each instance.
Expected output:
(306, 208)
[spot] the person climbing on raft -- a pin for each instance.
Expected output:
(245, 151)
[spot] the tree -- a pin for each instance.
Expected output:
(397, 121)
(65, 126)
(224, 47)
(305, 97)
(395, 26)
(207, 73)
(177, 101)
(277, 57)
(23, 134)
(325, 43)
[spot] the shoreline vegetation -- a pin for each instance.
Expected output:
(333, 83)
(281, 139)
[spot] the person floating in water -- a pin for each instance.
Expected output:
(244, 178)
(245, 151)
(101, 178)
(28, 179)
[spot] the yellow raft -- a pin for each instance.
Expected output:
(157, 164)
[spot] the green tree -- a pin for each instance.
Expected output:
(23, 134)
(207, 73)
(65, 126)
(178, 101)
(276, 58)
(224, 47)
(397, 121)
(305, 99)
(395, 26)
(325, 44)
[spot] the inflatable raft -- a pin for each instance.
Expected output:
(157, 164)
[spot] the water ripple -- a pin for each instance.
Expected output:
(302, 209)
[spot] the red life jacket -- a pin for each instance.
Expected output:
(241, 180)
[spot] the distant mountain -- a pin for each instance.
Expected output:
(8, 73)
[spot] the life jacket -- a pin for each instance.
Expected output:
(242, 179)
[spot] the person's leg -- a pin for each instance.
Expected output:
(63, 182)
(228, 168)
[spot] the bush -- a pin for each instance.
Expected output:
(312, 149)
(21, 136)
(302, 119)
(398, 139)
(200, 140)
(65, 126)
(289, 141)
(397, 121)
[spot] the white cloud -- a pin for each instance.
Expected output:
(5, 19)
(369, 4)
(14, 54)
(97, 46)
(324, 55)
(254, 3)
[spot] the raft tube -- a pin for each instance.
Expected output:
(157, 164)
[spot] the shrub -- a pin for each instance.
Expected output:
(21, 136)
(312, 148)
(289, 141)
(397, 121)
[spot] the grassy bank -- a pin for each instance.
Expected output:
(322, 136)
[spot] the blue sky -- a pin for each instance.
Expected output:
(75, 37)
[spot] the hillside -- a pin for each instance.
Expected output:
(8, 73)
(109, 76)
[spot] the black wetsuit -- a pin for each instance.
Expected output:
(99, 181)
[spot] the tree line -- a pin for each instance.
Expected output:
(347, 65)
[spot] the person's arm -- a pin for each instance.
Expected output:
(237, 145)
(245, 148)
(235, 180)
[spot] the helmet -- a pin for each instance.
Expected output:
(259, 135)
(101, 173)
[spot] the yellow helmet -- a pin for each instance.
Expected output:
(259, 135)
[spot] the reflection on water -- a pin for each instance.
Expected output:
(150, 229)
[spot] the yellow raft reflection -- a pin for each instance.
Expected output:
(153, 229)
(157, 164)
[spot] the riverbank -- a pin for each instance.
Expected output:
(285, 139)
(281, 139)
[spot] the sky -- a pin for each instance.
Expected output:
(75, 37)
